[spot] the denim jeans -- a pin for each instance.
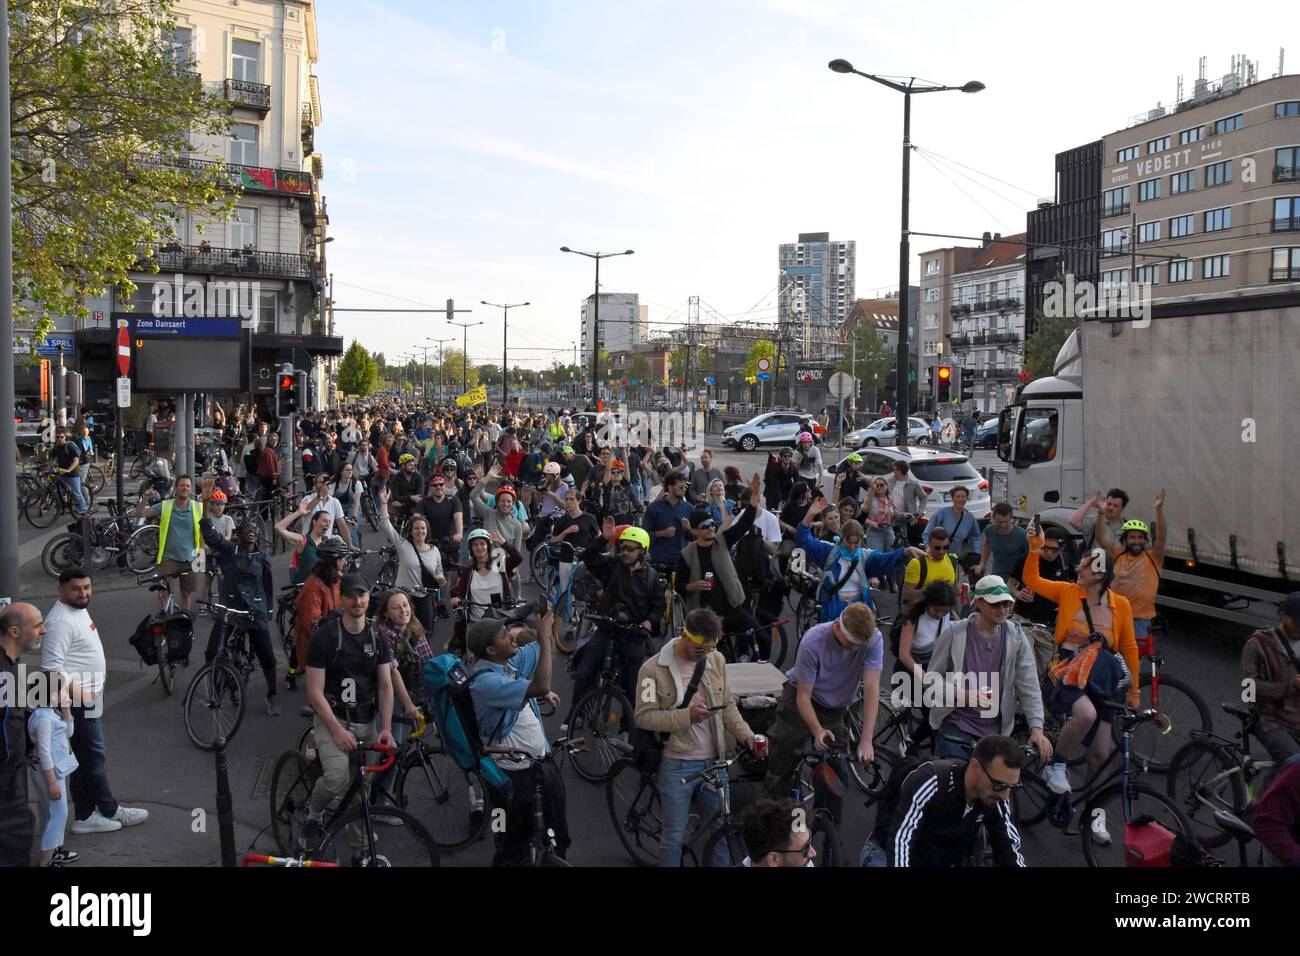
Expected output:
(880, 539)
(1141, 627)
(944, 748)
(89, 782)
(73, 484)
(675, 805)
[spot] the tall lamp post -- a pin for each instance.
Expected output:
(595, 322)
(904, 252)
(441, 365)
(505, 331)
(464, 368)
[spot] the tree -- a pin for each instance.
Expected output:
(489, 374)
(102, 112)
(1041, 347)
(453, 367)
(762, 348)
(873, 359)
(639, 371)
(379, 360)
(358, 371)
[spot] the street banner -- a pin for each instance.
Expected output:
(475, 396)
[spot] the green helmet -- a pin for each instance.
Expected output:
(854, 457)
(1133, 524)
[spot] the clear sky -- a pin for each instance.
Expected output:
(464, 143)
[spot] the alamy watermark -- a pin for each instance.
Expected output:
(29, 688)
(948, 691)
(1081, 299)
(683, 430)
(183, 298)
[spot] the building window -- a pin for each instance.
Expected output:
(1228, 124)
(1191, 135)
(245, 61)
(1150, 189)
(1286, 265)
(1181, 226)
(1216, 174)
(1218, 219)
(1158, 145)
(1182, 182)
(243, 144)
(1180, 270)
(1148, 275)
(1286, 164)
(1148, 232)
(1286, 214)
(176, 47)
(1114, 242)
(1129, 152)
(242, 230)
(932, 295)
(1116, 278)
(931, 321)
(1291, 108)
(932, 267)
(1115, 202)
(1214, 267)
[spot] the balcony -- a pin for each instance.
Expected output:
(1284, 274)
(997, 338)
(248, 179)
(1286, 174)
(1286, 224)
(212, 260)
(959, 340)
(981, 306)
(957, 310)
(308, 131)
(245, 93)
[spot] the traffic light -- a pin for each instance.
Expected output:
(929, 379)
(967, 384)
(303, 392)
(286, 394)
(945, 383)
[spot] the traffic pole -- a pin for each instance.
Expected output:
(8, 463)
(225, 811)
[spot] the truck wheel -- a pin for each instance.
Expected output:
(748, 443)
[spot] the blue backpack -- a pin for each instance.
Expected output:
(448, 682)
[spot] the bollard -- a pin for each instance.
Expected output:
(225, 811)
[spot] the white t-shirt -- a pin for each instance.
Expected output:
(526, 735)
(72, 647)
(481, 589)
(927, 632)
(768, 527)
(899, 492)
(224, 526)
(703, 745)
(330, 506)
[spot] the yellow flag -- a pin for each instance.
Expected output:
(475, 396)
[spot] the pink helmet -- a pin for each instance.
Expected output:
(804, 436)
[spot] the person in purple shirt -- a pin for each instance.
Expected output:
(833, 658)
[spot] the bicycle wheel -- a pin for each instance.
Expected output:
(142, 549)
(214, 704)
(399, 840)
(1144, 800)
(448, 800)
(826, 841)
(43, 511)
(539, 563)
(734, 836)
(61, 553)
(777, 655)
(805, 616)
(633, 800)
(677, 616)
(307, 741)
(1186, 711)
(138, 466)
(566, 628)
(601, 716)
(96, 479)
(291, 785)
(166, 666)
(1203, 778)
(369, 512)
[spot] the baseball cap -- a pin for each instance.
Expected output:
(703, 518)
(352, 583)
(993, 589)
(1290, 606)
(482, 634)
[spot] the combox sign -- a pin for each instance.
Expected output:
(186, 354)
(810, 376)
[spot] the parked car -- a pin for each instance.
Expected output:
(939, 471)
(986, 436)
(881, 432)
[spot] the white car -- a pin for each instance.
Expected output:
(770, 428)
(881, 432)
(939, 471)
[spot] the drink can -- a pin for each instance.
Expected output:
(708, 579)
(760, 746)
(965, 591)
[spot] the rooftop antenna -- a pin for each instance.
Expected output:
(1201, 72)
(1281, 58)
(1179, 99)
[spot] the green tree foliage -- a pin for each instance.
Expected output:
(872, 361)
(762, 348)
(102, 112)
(1041, 347)
(358, 372)
(453, 363)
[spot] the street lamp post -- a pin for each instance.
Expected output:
(441, 366)
(595, 322)
(505, 330)
(464, 367)
(904, 253)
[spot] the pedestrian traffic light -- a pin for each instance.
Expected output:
(945, 383)
(967, 384)
(286, 394)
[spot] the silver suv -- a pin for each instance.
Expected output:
(770, 428)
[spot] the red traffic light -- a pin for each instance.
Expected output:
(945, 373)
(286, 381)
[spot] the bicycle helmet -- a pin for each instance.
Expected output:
(218, 496)
(552, 468)
(636, 536)
(804, 436)
(476, 534)
(506, 490)
(405, 458)
(331, 547)
(854, 457)
(1133, 524)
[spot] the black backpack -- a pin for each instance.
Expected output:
(887, 804)
(896, 629)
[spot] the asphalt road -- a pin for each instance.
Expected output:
(153, 764)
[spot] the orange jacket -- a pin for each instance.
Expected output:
(313, 602)
(1069, 598)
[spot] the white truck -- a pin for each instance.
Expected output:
(1202, 399)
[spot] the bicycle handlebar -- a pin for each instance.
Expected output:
(220, 610)
(380, 767)
(712, 770)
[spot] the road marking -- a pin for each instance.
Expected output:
(33, 548)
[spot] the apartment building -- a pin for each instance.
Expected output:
(987, 340)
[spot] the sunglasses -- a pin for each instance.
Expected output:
(999, 786)
(629, 548)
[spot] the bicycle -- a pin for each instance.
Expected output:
(214, 701)
(286, 616)
(1112, 793)
(168, 616)
(53, 501)
(568, 621)
(405, 842)
(542, 850)
(1210, 774)
(632, 796)
(674, 606)
(433, 787)
(724, 827)
(1177, 701)
(603, 714)
(817, 803)
(109, 538)
(732, 641)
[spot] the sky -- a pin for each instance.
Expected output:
(465, 143)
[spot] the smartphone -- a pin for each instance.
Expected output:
(714, 710)
(1038, 524)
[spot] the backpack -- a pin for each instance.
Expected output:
(883, 831)
(448, 685)
(177, 629)
(896, 629)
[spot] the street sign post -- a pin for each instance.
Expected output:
(764, 376)
(841, 386)
(124, 392)
(123, 403)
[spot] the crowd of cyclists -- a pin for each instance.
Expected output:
(682, 569)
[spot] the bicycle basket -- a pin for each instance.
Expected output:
(804, 582)
(143, 642)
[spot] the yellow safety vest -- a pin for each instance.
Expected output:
(196, 508)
